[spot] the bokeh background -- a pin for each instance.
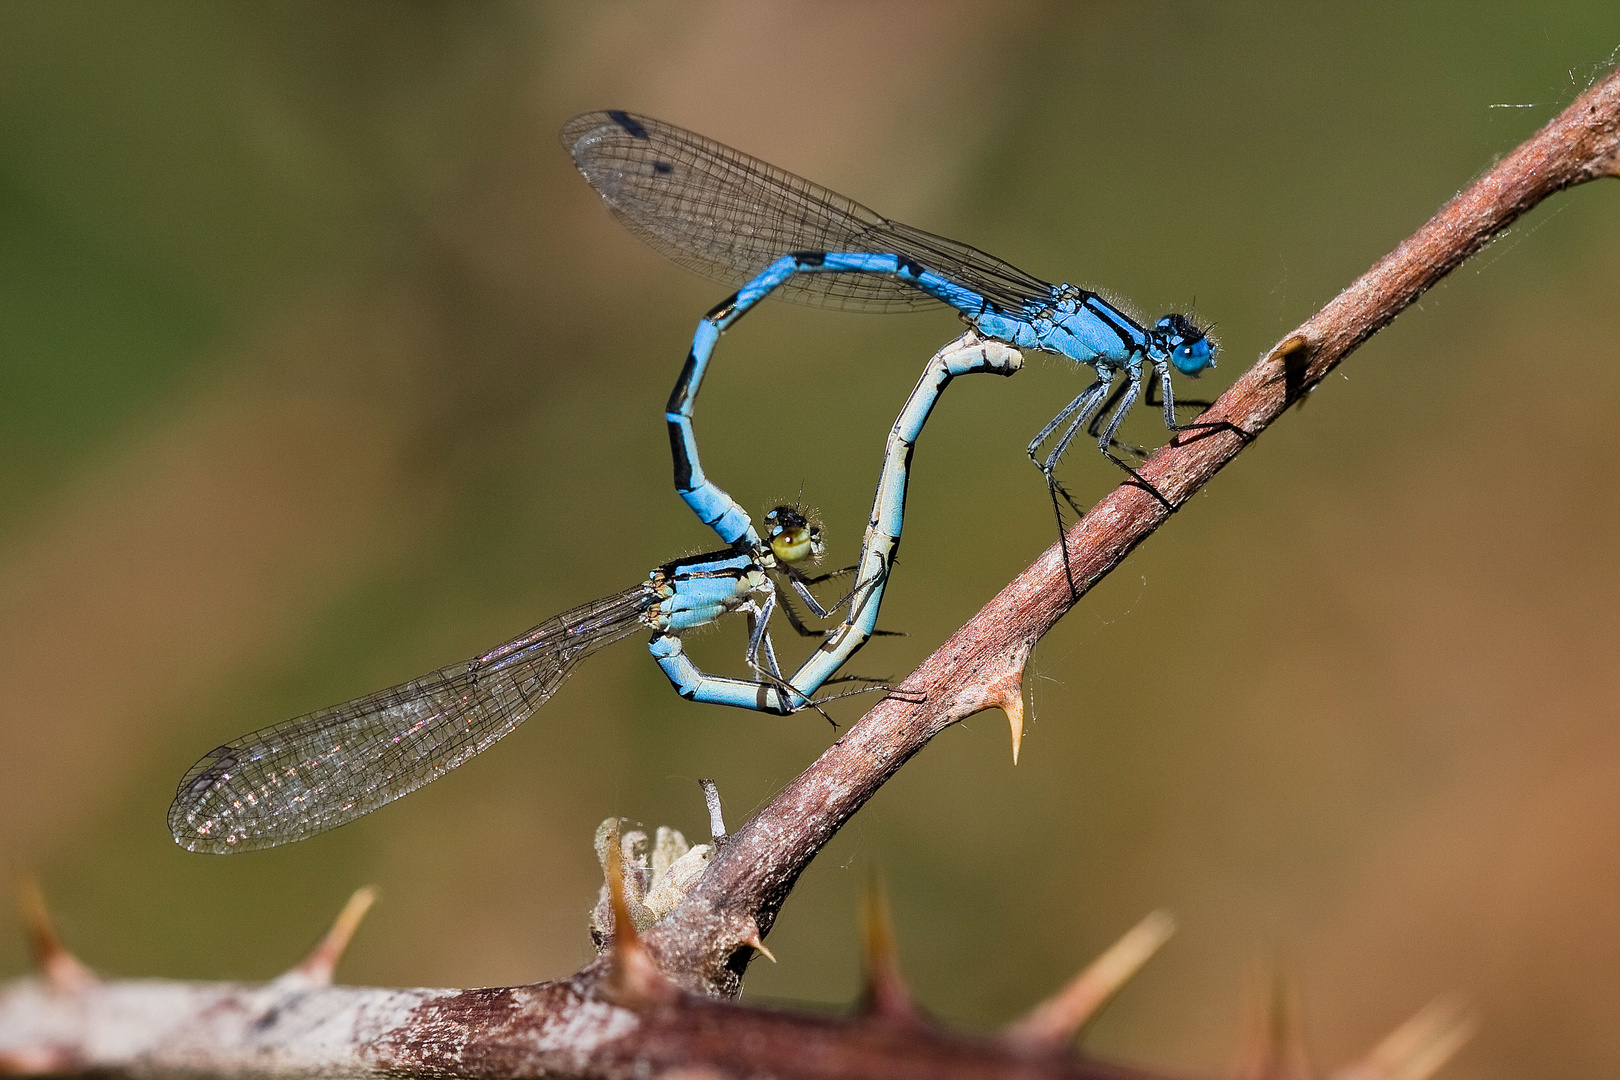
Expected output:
(321, 367)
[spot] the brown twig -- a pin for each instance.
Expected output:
(589, 1025)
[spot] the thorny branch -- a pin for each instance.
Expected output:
(654, 1004)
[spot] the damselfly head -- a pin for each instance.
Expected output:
(1187, 345)
(793, 536)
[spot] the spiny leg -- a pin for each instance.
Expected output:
(801, 585)
(1084, 405)
(1163, 378)
(798, 623)
(1171, 404)
(1153, 399)
(759, 638)
(1120, 402)
(1084, 400)
(1094, 429)
(1107, 438)
(830, 575)
(1092, 399)
(858, 589)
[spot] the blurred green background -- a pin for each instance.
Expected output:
(321, 367)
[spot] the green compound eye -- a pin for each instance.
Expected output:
(793, 545)
(793, 535)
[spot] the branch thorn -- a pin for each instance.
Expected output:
(633, 977)
(317, 968)
(1055, 1023)
(753, 941)
(1273, 1046)
(1418, 1048)
(61, 968)
(1007, 694)
(885, 994)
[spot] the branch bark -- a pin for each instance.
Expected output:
(588, 1024)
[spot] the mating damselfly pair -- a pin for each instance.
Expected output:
(741, 221)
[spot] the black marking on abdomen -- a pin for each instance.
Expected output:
(683, 464)
(683, 386)
(722, 311)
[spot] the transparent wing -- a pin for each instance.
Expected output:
(727, 216)
(319, 771)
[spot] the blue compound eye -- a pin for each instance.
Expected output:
(1190, 349)
(1193, 357)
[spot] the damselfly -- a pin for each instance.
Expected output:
(319, 771)
(738, 220)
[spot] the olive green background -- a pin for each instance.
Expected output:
(321, 367)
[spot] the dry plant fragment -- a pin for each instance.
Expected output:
(655, 880)
(717, 817)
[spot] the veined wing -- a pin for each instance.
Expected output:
(727, 216)
(319, 771)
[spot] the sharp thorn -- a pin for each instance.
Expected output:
(1007, 694)
(1013, 706)
(62, 970)
(624, 927)
(322, 961)
(632, 978)
(753, 941)
(1273, 1046)
(1055, 1023)
(1418, 1048)
(885, 994)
